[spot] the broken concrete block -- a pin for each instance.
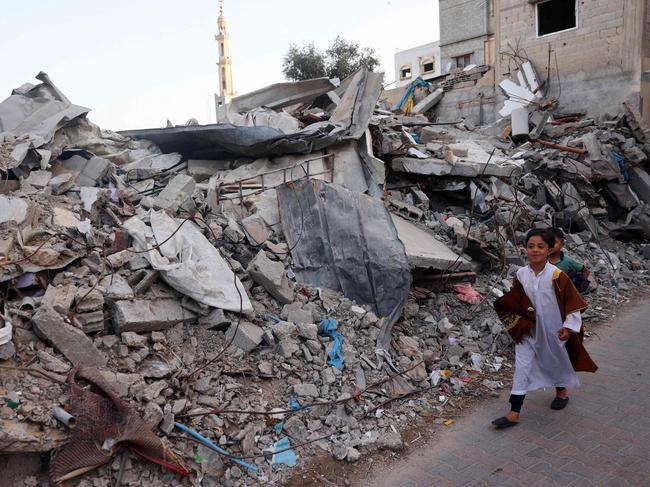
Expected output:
(144, 280)
(305, 390)
(62, 183)
(271, 276)
(116, 287)
(7, 351)
(288, 346)
(297, 313)
(247, 336)
(390, 441)
(640, 182)
(216, 320)
(256, 230)
(635, 155)
(90, 322)
(280, 249)
(179, 190)
(119, 259)
(70, 341)
(59, 298)
(133, 340)
(232, 231)
(51, 363)
(153, 390)
(153, 415)
(428, 102)
(13, 209)
(90, 170)
(202, 169)
(38, 179)
(284, 329)
(89, 300)
(308, 331)
(142, 315)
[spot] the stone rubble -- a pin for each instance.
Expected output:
(77, 297)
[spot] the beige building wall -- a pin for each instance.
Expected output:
(599, 61)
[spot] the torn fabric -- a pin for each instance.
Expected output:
(104, 424)
(188, 262)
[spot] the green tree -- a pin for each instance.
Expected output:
(341, 59)
(345, 57)
(303, 62)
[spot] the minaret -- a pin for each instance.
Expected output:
(226, 91)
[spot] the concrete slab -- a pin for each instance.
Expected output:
(280, 95)
(423, 250)
(640, 182)
(440, 167)
(77, 347)
(141, 315)
(428, 102)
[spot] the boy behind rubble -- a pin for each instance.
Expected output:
(579, 273)
(542, 313)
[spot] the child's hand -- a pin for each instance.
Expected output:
(564, 334)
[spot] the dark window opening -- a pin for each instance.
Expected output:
(428, 66)
(555, 16)
(462, 61)
(221, 49)
(405, 72)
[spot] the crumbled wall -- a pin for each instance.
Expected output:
(602, 52)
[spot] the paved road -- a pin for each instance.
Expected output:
(601, 438)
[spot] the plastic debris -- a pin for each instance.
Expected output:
(334, 356)
(214, 447)
(467, 293)
(283, 453)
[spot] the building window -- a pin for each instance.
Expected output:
(427, 65)
(405, 72)
(555, 16)
(221, 49)
(462, 61)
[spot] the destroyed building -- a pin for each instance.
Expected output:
(591, 55)
(313, 274)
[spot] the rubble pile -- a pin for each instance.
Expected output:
(314, 274)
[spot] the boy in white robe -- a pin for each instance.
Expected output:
(542, 313)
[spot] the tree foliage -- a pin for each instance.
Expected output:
(303, 62)
(340, 59)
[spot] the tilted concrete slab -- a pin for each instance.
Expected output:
(423, 250)
(280, 95)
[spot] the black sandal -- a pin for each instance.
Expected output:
(559, 403)
(503, 422)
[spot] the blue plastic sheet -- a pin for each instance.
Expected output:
(294, 404)
(286, 454)
(621, 164)
(334, 356)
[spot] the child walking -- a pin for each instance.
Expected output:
(578, 272)
(542, 313)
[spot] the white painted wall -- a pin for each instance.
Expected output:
(413, 57)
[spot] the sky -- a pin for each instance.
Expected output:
(138, 63)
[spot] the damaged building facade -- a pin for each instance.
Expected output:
(593, 55)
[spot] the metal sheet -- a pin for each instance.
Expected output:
(345, 241)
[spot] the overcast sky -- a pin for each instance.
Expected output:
(138, 63)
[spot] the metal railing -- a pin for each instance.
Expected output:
(257, 184)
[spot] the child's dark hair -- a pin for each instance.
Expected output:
(544, 233)
(557, 233)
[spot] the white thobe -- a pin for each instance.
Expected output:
(541, 359)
